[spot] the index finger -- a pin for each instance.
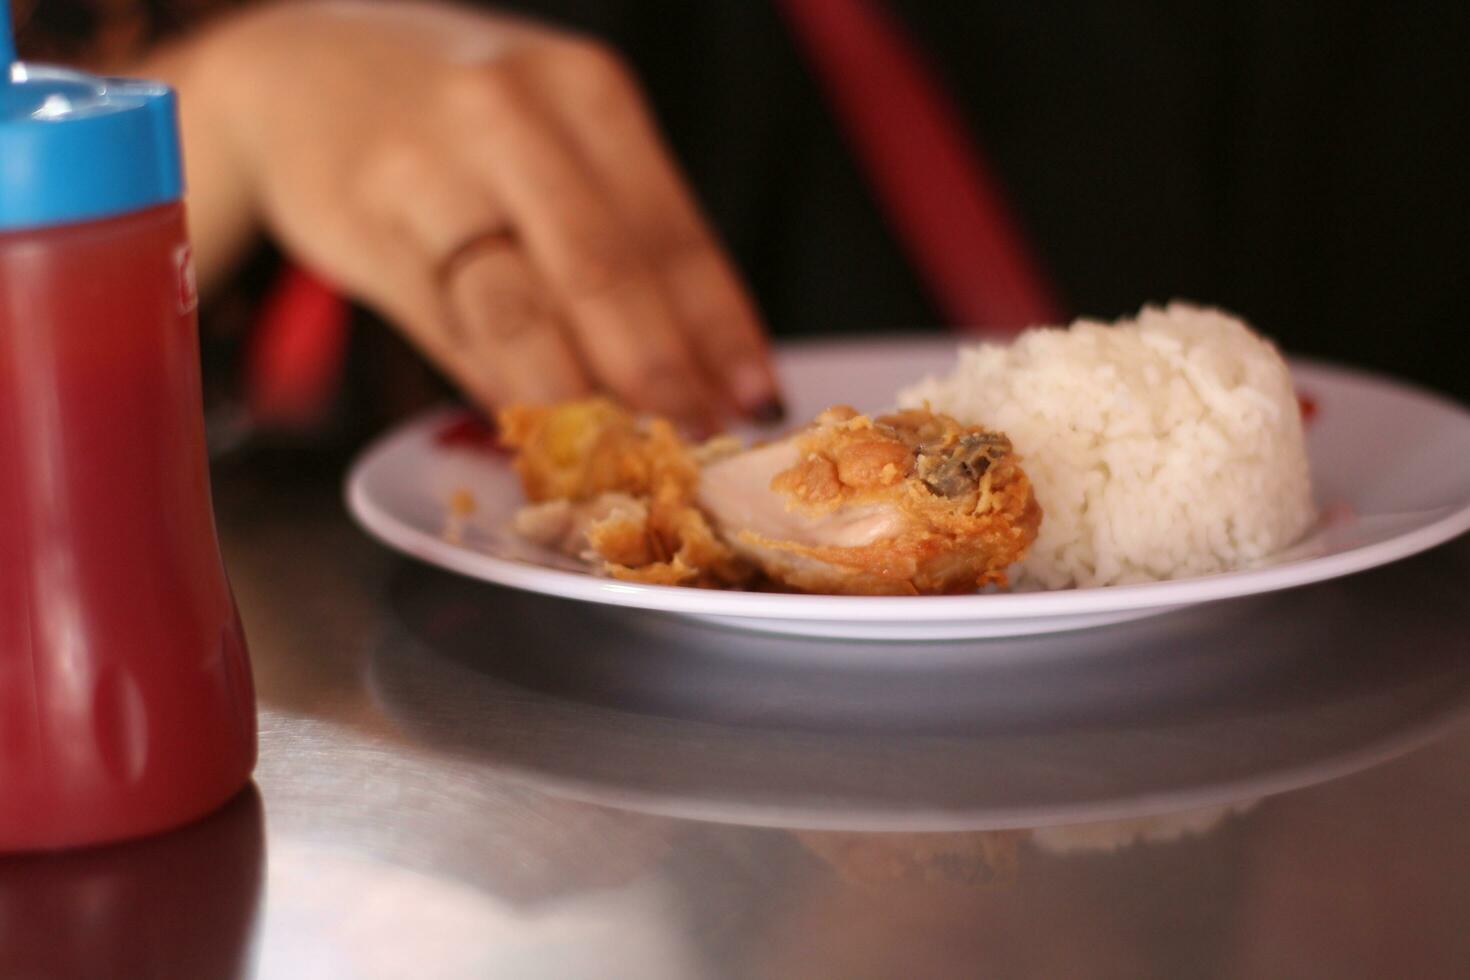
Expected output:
(605, 114)
(615, 305)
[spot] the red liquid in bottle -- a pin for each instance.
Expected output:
(125, 697)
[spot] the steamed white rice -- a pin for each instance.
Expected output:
(1161, 447)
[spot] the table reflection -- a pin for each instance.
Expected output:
(1230, 702)
(180, 904)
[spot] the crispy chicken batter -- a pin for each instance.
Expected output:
(611, 488)
(909, 503)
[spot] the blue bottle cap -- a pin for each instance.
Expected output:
(77, 147)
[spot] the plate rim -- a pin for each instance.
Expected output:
(1054, 604)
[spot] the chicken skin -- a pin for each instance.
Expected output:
(905, 504)
(909, 504)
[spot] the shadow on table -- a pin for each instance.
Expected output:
(1199, 707)
(180, 904)
(1401, 627)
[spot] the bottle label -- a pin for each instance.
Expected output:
(188, 289)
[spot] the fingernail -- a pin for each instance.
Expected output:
(701, 429)
(751, 386)
(769, 412)
(697, 423)
(695, 417)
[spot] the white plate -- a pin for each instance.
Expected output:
(1390, 464)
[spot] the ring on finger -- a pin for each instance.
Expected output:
(482, 241)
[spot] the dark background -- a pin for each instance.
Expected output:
(1300, 163)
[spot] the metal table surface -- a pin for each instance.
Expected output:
(459, 781)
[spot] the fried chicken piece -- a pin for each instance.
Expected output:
(614, 489)
(578, 450)
(905, 504)
(910, 503)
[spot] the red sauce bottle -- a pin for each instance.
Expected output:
(126, 704)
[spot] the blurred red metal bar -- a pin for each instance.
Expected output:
(940, 196)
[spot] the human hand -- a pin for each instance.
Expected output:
(495, 188)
